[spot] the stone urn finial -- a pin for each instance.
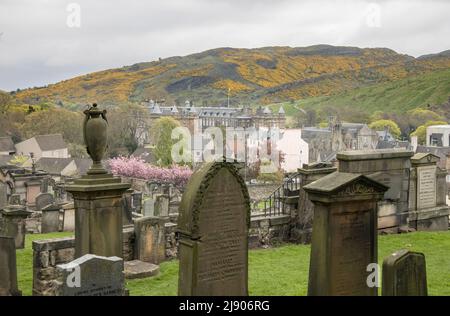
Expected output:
(95, 133)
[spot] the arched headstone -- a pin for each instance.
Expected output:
(213, 233)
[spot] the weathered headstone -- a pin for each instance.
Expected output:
(92, 275)
(127, 208)
(301, 230)
(50, 219)
(149, 207)
(404, 274)
(8, 269)
(3, 195)
(427, 204)
(42, 200)
(69, 217)
(213, 233)
(13, 224)
(344, 240)
(161, 205)
(150, 242)
(137, 201)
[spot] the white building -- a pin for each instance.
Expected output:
(438, 135)
(44, 146)
(295, 150)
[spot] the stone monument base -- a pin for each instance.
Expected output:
(431, 219)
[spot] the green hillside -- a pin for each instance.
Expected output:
(395, 97)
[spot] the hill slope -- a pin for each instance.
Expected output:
(270, 74)
(398, 96)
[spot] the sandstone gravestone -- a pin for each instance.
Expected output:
(97, 276)
(8, 269)
(427, 202)
(127, 208)
(161, 205)
(150, 242)
(149, 207)
(213, 233)
(344, 240)
(13, 224)
(404, 274)
(303, 218)
(50, 219)
(137, 201)
(42, 200)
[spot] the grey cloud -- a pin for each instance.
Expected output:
(38, 48)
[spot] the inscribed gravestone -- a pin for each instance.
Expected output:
(50, 218)
(8, 269)
(161, 205)
(42, 200)
(344, 240)
(98, 276)
(150, 239)
(213, 233)
(149, 207)
(404, 274)
(137, 201)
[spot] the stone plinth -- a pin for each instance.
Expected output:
(344, 240)
(98, 214)
(390, 167)
(13, 224)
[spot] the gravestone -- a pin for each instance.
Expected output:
(213, 233)
(69, 217)
(161, 205)
(8, 268)
(427, 204)
(344, 240)
(97, 276)
(14, 199)
(149, 207)
(127, 208)
(137, 201)
(42, 200)
(50, 219)
(13, 224)
(3, 195)
(404, 274)
(150, 239)
(301, 230)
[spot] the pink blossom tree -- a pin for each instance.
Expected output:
(135, 167)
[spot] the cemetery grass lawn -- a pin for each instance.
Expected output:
(278, 271)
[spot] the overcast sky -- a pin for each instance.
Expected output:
(41, 43)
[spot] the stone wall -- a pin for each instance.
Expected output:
(261, 191)
(46, 255)
(268, 231)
